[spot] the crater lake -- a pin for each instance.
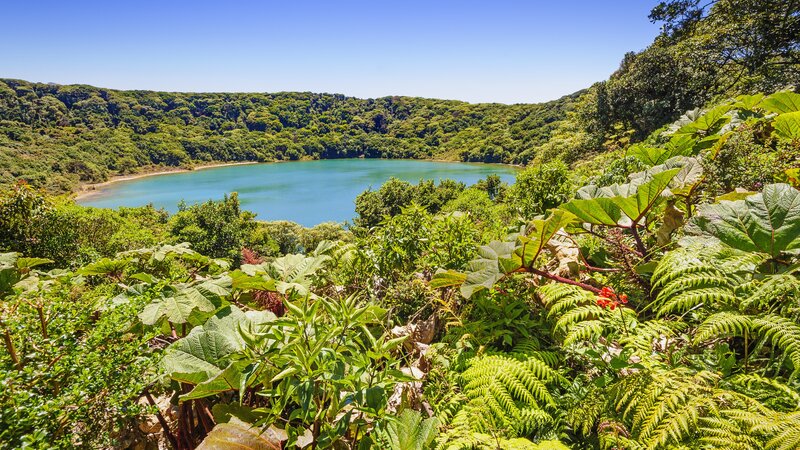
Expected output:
(306, 192)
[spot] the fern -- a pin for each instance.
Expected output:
(768, 390)
(650, 336)
(558, 298)
(783, 431)
(577, 317)
(725, 433)
(669, 407)
(584, 331)
(778, 431)
(725, 323)
(463, 439)
(783, 333)
(700, 275)
(508, 394)
(578, 314)
(774, 290)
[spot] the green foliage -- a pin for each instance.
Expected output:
(82, 134)
(768, 222)
(727, 47)
(600, 321)
(506, 395)
(71, 235)
(408, 432)
(327, 372)
(216, 229)
(393, 196)
(540, 188)
(72, 357)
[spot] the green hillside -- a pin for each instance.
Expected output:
(58, 136)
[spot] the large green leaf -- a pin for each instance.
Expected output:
(681, 144)
(287, 273)
(447, 278)
(243, 282)
(768, 222)
(176, 308)
(104, 266)
(708, 123)
(202, 357)
(231, 378)
(501, 258)
(691, 173)
(181, 303)
(238, 435)
(9, 273)
(199, 356)
(296, 268)
(748, 102)
(787, 126)
(652, 156)
(495, 260)
(647, 195)
(30, 263)
(542, 230)
(595, 211)
(782, 102)
(408, 431)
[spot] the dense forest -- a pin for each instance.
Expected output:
(637, 287)
(59, 136)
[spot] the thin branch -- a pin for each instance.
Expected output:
(161, 420)
(560, 279)
(639, 242)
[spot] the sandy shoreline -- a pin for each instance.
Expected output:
(92, 189)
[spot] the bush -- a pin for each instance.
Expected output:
(540, 188)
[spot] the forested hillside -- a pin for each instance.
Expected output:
(637, 287)
(57, 136)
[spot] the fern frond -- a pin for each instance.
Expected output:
(667, 408)
(693, 282)
(584, 331)
(691, 299)
(555, 292)
(507, 393)
(774, 290)
(463, 439)
(530, 348)
(558, 298)
(784, 432)
(751, 380)
(783, 333)
(724, 433)
(721, 324)
(579, 314)
(645, 335)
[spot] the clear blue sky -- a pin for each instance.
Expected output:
(478, 51)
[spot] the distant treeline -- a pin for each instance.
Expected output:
(55, 136)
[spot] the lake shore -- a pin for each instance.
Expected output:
(91, 189)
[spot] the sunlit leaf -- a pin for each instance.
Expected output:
(782, 102)
(768, 222)
(238, 435)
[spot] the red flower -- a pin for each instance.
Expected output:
(608, 298)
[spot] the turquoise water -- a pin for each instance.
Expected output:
(306, 192)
